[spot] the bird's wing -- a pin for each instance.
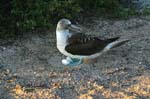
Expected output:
(81, 44)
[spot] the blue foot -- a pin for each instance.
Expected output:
(72, 61)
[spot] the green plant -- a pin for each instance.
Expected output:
(32, 14)
(19, 16)
(27, 15)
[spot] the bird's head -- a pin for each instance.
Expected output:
(65, 24)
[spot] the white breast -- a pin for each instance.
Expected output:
(62, 37)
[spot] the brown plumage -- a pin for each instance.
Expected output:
(81, 44)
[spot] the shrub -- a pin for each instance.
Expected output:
(18, 16)
(26, 15)
(32, 14)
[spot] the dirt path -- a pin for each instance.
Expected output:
(30, 68)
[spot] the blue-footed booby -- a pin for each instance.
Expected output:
(78, 46)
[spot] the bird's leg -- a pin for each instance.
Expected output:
(72, 61)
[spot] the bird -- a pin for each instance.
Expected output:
(78, 46)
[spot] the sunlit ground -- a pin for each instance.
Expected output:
(89, 91)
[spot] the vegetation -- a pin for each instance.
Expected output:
(18, 16)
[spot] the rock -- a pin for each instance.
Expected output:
(7, 71)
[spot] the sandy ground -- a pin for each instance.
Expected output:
(30, 67)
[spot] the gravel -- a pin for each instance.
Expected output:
(34, 62)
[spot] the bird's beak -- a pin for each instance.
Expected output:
(75, 28)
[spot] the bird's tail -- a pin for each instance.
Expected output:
(115, 44)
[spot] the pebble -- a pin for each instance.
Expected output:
(3, 48)
(140, 63)
(7, 71)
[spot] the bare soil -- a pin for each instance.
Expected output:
(30, 67)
